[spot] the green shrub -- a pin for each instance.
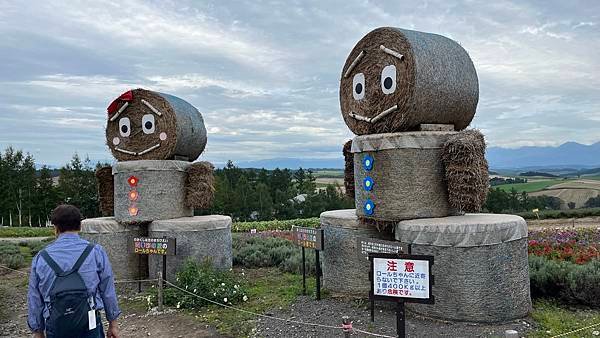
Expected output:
(37, 246)
(204, 280)
(584, 283)
(10, 255)
(26, 232)
(257, 252)
(275, 225)
(569, 282)
(557, 214)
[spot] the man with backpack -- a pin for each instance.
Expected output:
(71, 280)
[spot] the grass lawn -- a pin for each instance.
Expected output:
(530, 186)
(554, 319)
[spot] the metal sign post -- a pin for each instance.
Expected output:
(400, 278)
(313, 239)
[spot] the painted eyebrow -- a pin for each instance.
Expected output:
(391, 52)
(154, 110)
(114, 117)
(354, 63)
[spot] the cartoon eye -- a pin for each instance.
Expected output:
(148, 123)
(358, 86)
(124, 126)
(388, 79)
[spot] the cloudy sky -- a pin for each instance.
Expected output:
(265, 74)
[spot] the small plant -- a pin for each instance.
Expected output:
(205, 281)
(11, 256)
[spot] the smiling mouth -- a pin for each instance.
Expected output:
(374, 118)
(125, 151)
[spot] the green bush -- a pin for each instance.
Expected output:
(584, 283)
(558, 214)
(37, 246)
(10, 255)
(26, 232)
(569, 282)
(258, 252)
(275, 225)
(204, 280)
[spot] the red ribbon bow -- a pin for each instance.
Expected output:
(114, 106)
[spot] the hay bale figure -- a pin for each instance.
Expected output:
(466, 169)
(395, 79)
(406, 94)
(145, 125)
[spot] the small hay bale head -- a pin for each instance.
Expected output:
(466, 169)
(147, 125)
(394, 80)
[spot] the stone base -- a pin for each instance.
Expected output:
(198, 238)
(345, 270)
(114, 238)
(480, 266)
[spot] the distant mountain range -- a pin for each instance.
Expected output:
(567, 155)
(572, 155)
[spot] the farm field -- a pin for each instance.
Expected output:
(531, 186)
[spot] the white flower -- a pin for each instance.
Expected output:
(234, 292)
(222, 284)
(245, 298)
(195, 290)
(225, 299)
(214, 294)
(236, 286)
(178, 305)
(186, 287)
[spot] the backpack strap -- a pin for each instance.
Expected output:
(51, 262)
(83, 256)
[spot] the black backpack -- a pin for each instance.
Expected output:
(69, 299)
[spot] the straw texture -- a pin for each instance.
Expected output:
(199, 185)
(466, 170)
(348, 169)
(436, 82)
(106, 190)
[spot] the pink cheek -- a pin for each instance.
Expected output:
(162, 136)
(116, 141)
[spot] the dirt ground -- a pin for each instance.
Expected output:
(585, 222)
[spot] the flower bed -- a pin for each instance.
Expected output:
(578, 246)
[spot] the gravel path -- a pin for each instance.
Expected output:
(330, 312)
(22, 239)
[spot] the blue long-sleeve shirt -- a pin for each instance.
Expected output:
(95, 271)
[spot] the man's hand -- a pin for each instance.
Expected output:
(113, 330)
(39, 334)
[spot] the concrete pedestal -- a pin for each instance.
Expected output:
(400, 176)
(345, 269)
(114, 238)
(198, 238)
(481, 269)
(157, 182)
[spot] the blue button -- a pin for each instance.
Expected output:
(368, 163)
(369, 206)
(368, 183)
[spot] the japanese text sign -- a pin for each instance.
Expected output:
(153, 246)
(308, 237)
(397, 276)
(367, 245)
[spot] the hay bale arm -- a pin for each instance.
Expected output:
(199, 185)
(348, 169)
(106, 190)
(466, 170)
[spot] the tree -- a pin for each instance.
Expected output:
(571, 205)
(77, 186)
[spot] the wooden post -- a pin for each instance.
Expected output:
(160, 292)
(400, 319)
(303, 272)
(318, 273)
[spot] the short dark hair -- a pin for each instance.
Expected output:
(66, 217)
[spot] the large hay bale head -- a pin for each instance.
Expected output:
(395, 80)
(147, 125)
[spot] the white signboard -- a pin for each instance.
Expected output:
(402, 278)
